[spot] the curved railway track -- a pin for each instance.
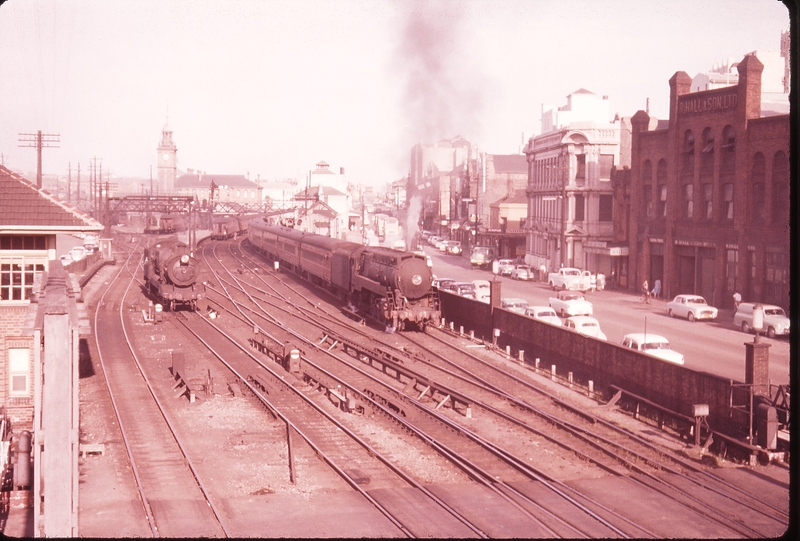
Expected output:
(174, 499)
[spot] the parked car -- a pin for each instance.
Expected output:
(504, 267)
(652, 344)
(428, 259)
(442, 283)
(571, 303)
(433, 239)
(521, 272)
(775, 320)
(465, 289)
(452, 247)
(586, 325)
(441, 245)
(590, 278)
(543, 313)
(514, 304)
(691, 307)
(482, 290)
(77, 253)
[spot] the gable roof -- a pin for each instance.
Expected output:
(510, 163)
(322, 190)
(518, 198)
(26, 208)
(191, 180)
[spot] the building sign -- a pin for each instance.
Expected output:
(690, 105)
(618, 250)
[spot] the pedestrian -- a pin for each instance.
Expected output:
(737, 298)
(542, 273)
(646, 292)
(657, 289)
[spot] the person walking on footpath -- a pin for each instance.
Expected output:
(737, 298)
(646, 292)
(657, 289)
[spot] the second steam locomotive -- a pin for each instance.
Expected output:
(392, 286)
(171, 275)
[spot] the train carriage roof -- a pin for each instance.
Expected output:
(326, 243)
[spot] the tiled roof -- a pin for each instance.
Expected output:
(191, 180)
(24, 207)
(510, 163)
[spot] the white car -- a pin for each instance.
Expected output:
(652, 344)
(586, 325)
(543, 313)
(775, 320)
(691, 307)
(482, 290)
(571, 303)
(514, 304)
(521, 272)
(504, 267)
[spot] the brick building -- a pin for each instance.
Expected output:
(709, 194)
(30, 220)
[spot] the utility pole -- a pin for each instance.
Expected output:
(39, 141)
(78, 187)
(69, 183)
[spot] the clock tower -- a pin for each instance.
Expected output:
(167, 161)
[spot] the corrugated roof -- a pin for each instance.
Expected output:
(190, 180)
(510, 163)
(25, 207)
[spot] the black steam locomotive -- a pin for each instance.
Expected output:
(392, 286)
(229, 227)
(171, 275)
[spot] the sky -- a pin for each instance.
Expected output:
(268, 88)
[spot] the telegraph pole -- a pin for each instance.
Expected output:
(39, 141)
(69, 183)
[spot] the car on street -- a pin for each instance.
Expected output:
(521, 272)
(441, 245)
(775, 320)
(465, 289)
(692, 307)
(504, 267)
(433, 239)
(586, 325)
(428, 259)
(571, 303)
(544, 313)
(514, 304)
(652, 344)
(77, 253)
(442, 283)
(453, 247)
(482, 290)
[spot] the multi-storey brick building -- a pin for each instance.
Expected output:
(709, 194)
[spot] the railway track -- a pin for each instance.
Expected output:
(175, 502)
(647, 463)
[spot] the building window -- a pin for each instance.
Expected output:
(757, 191)
(580, 174)
(23, 242)
(732, 269)
(19, 370)
(728, 146)
(648, 201)
(688, 204)
(17, 275)
(606, 164)
(580, 207)
(708, 198)
(662, 200)
(758, 203)
(777, 278)
(708, 149)
(727, 201)
(688, 151)
(606, 213)
(780, 189)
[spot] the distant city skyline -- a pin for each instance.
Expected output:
(269, 88)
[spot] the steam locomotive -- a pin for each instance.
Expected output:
(229, 227)
(392, 286)
(171, 275)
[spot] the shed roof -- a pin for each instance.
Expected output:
(24, 208)
(191, 180)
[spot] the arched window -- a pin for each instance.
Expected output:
(688, 201)
(688, 151)
(780, 189)
(647, 192)
(661, 180)
(757, 189)
(728, 147)
(707, 154)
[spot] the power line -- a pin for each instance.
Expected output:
(39, 141)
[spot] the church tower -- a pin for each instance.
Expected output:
(167, 161)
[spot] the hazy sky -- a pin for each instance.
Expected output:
(271, 87)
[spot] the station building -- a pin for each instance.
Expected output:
(709, 194)
(30, 220)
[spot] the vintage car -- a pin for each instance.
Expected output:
(586, 325)
(465, 289)
(521, 272)
(775, 320)
(504, 267)
(452, 247)
(482, 290)
(514, 304)
(543, 313)
(691, 307)
(652, 344)
(571, 303)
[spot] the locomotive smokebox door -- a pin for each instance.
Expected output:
(291, 357)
